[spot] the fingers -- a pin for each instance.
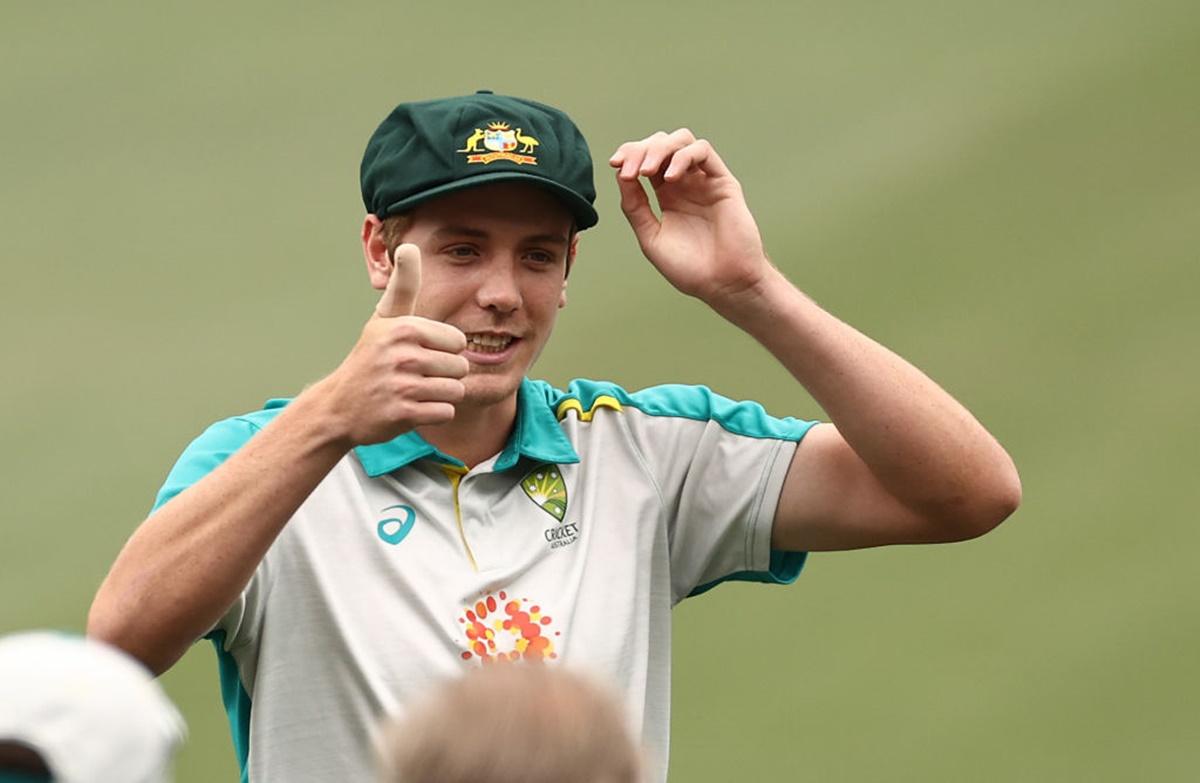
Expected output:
(665, 146)
(697, 155)
(449, 390)
(405, 372)
(643, 158)
(667, 155)
(400, 296)
(432, 397)
(439, 336)
(427, 413)
(438, 364)
(423, 347)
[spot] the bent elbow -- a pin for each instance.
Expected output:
(972, 512)
(1010, 500)
(994, 503)
(107, 623)
(999, 509)
(104, 624)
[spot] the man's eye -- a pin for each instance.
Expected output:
(462, 251)
(541, 256)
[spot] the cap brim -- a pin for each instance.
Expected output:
(584, 213)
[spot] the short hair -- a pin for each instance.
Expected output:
(392, 229)
(512, 723)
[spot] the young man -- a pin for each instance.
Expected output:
(425, 508)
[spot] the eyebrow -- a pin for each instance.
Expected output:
(478, 233)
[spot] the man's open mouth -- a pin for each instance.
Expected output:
(488, 343)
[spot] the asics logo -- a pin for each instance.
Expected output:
(393, 529)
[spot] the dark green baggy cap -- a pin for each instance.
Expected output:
(427, 149)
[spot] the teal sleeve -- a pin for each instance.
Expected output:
(784, 569)
(203, 455)
(214, 446)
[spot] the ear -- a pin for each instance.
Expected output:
(375, 252)
(572, 250)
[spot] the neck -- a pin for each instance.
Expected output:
(476, 433)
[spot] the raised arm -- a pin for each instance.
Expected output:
(902, 461)
(185, 565)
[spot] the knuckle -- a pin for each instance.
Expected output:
(682, 157)
(397, 411)
(398, 390)
(404, 330)
(406, 360)
(685, 134)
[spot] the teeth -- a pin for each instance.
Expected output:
(488, 343)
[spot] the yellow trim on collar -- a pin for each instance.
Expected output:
(455, 475)
(572, 404)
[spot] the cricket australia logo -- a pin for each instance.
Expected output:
(545, 487)
(500, 142)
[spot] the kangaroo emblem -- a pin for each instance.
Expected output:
(473, 141)
(529, 141)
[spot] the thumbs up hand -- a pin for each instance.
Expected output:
(400, 296)
(405, 371)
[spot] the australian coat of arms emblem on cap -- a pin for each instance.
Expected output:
(500, 142)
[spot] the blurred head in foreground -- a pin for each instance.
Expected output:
(512, 724)
(73, 710)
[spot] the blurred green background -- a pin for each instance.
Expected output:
(1007, 193)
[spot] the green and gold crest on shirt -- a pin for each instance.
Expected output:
(545, 486)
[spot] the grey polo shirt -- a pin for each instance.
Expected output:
(570, 547)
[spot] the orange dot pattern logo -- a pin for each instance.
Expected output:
(500, 630)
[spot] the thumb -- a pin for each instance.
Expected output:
(400, 296)
(636, 206)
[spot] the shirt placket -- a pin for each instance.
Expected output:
(457, 476)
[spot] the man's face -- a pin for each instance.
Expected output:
(494, 261)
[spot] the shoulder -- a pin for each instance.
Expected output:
(215, 445)
(584, 397)
(243, 426)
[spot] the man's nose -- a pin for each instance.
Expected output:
(499, 289)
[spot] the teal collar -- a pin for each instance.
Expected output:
(536, 435)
